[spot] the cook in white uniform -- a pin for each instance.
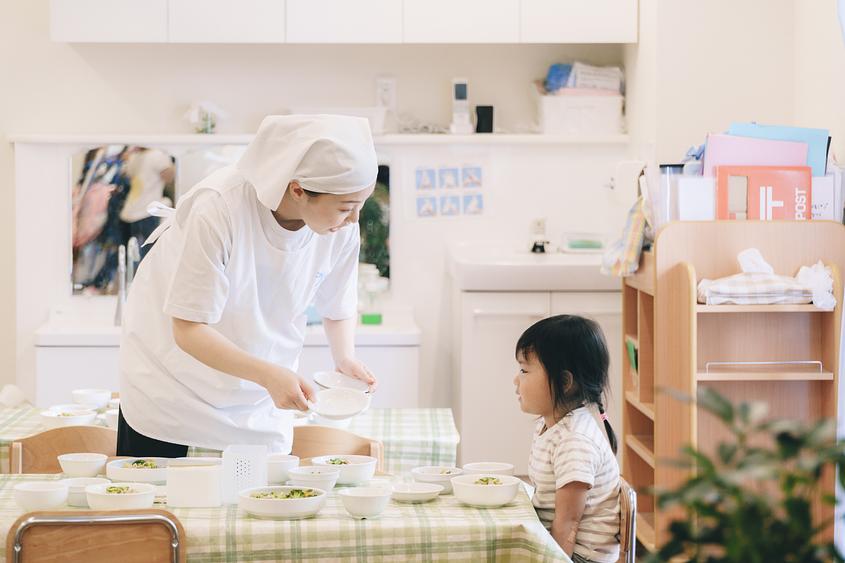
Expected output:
(215, 319)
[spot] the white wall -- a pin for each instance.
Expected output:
(61, 88)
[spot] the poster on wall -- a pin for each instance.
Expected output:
(449, 190)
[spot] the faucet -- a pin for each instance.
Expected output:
(127, 261)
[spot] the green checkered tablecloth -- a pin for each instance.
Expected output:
(411, 437)
(441, 530)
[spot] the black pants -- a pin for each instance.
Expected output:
(133, 444)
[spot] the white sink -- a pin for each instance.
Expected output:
(489, 266)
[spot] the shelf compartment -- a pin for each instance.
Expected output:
(643, 446)
(646, 409)
(810, 308)
(643, 278)
(645, 530)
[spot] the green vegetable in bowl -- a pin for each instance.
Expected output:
(446, 471)
(119, 490)
(338, 461)
(488, 481)
(68, 414)
(141, 464)
(285, 495)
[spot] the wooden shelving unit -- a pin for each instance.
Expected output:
(746, 352)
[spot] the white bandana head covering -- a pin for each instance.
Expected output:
(330, 154)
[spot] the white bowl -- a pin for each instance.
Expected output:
(278, 466)
(358, 469)
(317, 476)
(41, 495)
(97, 398)
(121, 470)
(469, 491)
(62, 418)
(437, 474)
(489, 468)
(339, 404)
(111, 418)
(83, 464)
(114, 404)
(335, 380)
(416, 492)
(289, 509)
(142, 495)
(365, 502)
(76, 489)
(71, 407)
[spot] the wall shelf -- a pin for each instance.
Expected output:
(764, 375)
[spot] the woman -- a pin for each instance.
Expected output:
(215, 319)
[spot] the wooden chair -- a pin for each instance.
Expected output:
(128, 536)
(37, 453)
(314, 440)
(627, 522)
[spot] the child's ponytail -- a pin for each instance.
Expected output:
(611, 436)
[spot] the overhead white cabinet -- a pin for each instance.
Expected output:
(344, 21)
(461, 21)
(226, 21)
(578, 21)
(108, 21)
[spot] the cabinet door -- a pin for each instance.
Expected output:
(344, 21)
(227, 21)
(491, 424)
(606, 309)
(108, 21)
(578, 21)
(460, 21)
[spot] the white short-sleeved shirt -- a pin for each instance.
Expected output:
(225, 261)
(577, 450)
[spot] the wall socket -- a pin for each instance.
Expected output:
(386, 92)
(538, 226)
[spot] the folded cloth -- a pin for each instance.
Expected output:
(754, 288)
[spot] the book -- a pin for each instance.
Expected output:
(764, 192)
(816, 139)
(725, 150)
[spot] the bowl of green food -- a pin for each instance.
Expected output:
(138, 470)
(490, 490)
(354, 469)
(282, 502)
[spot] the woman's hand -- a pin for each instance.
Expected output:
(355, 368)
(287, 389)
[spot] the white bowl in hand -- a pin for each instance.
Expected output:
(365, 502)
(97, 398)
(335, 380)
(485, 490)
(83, 464)
(354, 469)
(278, 466)
(437, 474)
(282, 502)
(340, 404)
(120, 496)
(489, 468)
(41, 495)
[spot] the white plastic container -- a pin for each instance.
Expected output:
(244, 467)
(195, 483)
(580, 115)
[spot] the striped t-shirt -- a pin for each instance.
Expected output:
(577, 449)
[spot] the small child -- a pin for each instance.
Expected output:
(563, 364)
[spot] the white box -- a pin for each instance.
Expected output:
(572, 114)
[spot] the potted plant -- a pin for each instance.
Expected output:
(751, 500)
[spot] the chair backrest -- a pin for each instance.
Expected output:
(314, 440)
(627, 522)
(37, 453)
(128, 536)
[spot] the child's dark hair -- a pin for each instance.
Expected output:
(569, 346)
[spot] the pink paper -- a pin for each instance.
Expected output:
(747, 151)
